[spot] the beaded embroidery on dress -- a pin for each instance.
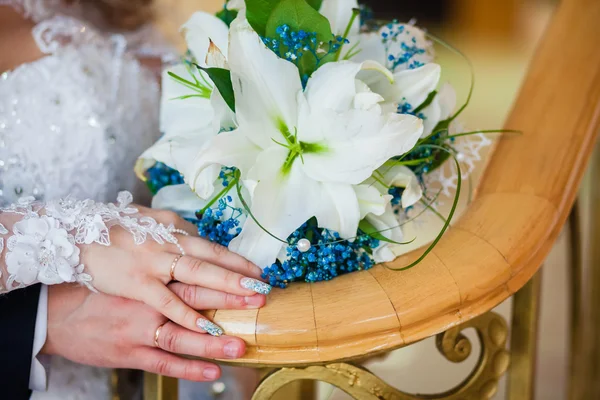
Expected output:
(72, 124)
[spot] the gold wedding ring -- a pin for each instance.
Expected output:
(173, 265)
(157, 333)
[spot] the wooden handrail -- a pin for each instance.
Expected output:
(492, 251)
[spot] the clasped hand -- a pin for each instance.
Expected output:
(148, 304)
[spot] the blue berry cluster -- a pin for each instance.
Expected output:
(407, 108)
(408, 45)
(160, 175)
(212, 227)
(226, 175)
(396, 193)
(293, 45)
(328, 257)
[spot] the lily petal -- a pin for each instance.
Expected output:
(339, 13)
(371, 200)
(358, 142)
(280, 205)
(215, 57)
(370, 47)
(333, 87)
(447, 99)
(366, 99)
(265, 86)
(410, 86)
(181, 115)
(177, 150)
(339, 209)
(229, 149)
(402, 176)
(388, 226)
(199, 30)
(431, 115)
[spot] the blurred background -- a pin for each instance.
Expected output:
(499, 37)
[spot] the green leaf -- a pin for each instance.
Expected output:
(316, 4)
(222, 79)
(299, 15)
(427, 102)
(258, 12)
(227, 15)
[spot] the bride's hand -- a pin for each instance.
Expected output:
(142, 272)
(108, 331)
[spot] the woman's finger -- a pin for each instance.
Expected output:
(200, 298)
(198, 272)
(175, 339)
(219, 255)
(161, 362)
(163, 300)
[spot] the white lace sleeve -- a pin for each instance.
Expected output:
(42, 242)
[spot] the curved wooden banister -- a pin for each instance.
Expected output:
(492, 251)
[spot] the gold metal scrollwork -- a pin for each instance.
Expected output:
(361, 384)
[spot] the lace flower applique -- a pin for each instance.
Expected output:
(40, 250)
(44, 246)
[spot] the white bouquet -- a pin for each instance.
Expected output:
(298, 133)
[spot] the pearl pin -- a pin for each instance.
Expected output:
(303, 245)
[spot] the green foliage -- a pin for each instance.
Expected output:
(316, 4)
(200, 89)
(258, 12)
(222, 80)
(227, 15)
(299, 15)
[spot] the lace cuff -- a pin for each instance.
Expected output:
(46, 238)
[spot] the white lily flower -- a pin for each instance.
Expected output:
(376, 208)
(186, 116)
(190, 115)
(304, 150)
(404, 50)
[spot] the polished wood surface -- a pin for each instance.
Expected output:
(491, 252)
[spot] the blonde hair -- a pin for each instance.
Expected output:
(123, 14)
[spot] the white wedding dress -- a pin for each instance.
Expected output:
(73, 123)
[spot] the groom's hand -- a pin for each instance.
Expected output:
(106, 331)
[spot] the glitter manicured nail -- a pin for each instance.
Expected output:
(209, 327)
(255, 285)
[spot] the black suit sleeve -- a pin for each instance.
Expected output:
(18, 311)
